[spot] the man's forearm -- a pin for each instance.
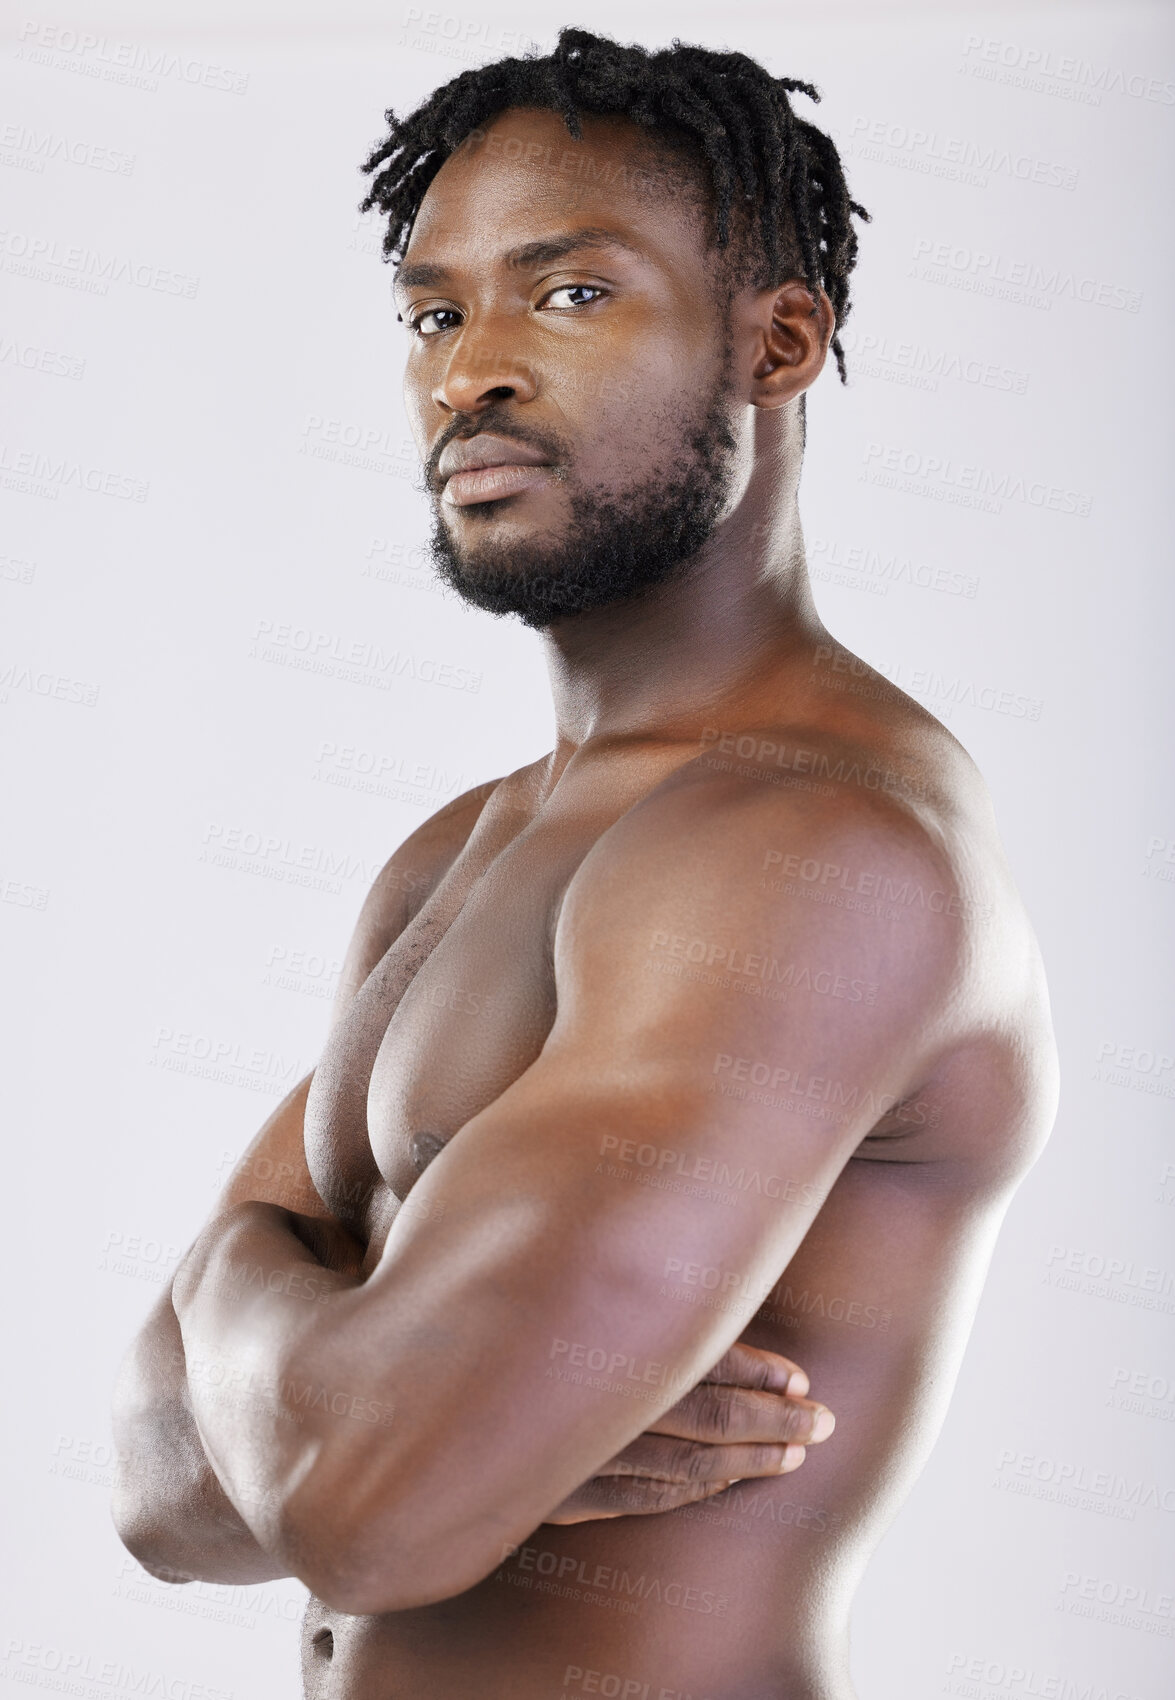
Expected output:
(169, 1508)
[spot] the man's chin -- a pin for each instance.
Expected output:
(606, 548)
(536, 595)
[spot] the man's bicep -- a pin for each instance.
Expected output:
(583, 1253)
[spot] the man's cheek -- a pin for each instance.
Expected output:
(614, 388)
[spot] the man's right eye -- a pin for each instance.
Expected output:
(419, 326)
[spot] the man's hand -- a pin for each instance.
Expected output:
(747, 1417)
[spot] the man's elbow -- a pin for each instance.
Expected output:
(146, 1535)
(180, 1530)
(365, 1562)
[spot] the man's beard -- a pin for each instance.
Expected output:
(613, 548)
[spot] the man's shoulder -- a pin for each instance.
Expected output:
(915, 761)
(747, 853)
(789, 840)
(847, 784)
(847, 913)
(806, 786)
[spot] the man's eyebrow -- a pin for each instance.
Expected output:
(549, 248)
(425, 275)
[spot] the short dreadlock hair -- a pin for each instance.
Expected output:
(724, 111)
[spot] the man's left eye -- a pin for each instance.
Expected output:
(570, 289)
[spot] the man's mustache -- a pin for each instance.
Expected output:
(466, 425)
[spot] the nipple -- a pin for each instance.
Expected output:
(424, 1148)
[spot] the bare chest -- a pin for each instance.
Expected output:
(456, 1010)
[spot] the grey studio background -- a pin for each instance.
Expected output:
(229, 688)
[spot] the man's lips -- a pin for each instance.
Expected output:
(489, 483)
(487, 467)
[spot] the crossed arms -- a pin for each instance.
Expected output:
(388, 1439)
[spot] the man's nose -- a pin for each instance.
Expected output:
(483, 368)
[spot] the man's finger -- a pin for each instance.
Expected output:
(753, 1366)
(724, 1415)
(630, 1496)
(664, 1458)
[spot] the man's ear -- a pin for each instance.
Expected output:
(792, 329)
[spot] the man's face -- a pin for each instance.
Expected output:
(564, 321)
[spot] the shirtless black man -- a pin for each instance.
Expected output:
(680, 1075)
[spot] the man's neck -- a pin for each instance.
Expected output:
(658, 665)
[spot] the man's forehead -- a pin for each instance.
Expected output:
(612, 148)
(523, 184)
